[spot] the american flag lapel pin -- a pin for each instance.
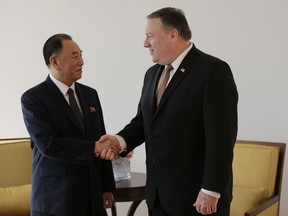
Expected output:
(92, 109)
(182, 70)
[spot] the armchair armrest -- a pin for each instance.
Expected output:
(263, 206)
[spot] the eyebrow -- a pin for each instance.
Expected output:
(76, 52)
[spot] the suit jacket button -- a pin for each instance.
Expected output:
(154, 160)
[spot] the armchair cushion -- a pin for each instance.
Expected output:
(15, 200)
(15, 162)
(255, 166)
(245, 198)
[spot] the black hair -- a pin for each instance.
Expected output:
(53, 45)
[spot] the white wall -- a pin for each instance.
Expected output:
(250, 35)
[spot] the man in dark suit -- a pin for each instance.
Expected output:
(190, 132)
(67, 179)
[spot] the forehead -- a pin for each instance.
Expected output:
(153, 26)
(70, 47)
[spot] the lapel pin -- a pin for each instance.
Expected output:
(182, 70)
(92, 109)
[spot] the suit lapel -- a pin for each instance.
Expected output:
(184, 68)
(57, 96)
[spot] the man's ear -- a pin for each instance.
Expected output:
(174, 33)
(54, 63)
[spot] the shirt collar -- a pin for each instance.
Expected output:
(61, 86)
(176, 63)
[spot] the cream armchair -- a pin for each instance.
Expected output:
(257, 168)
(15, 177)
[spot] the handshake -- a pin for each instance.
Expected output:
(107, 147)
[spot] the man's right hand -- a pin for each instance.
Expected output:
(107, 147)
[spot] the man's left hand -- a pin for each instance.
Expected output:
(206, 204)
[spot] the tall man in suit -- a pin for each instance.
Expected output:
(190, 133)
(67, 179)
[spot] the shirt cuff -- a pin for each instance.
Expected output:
(211, 193)
(122, 142)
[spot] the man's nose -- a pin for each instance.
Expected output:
(146, 43)
(81, 61)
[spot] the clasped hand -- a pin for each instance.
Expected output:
(107, 147)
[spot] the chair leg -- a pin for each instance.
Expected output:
(133, 207)
(113, 209)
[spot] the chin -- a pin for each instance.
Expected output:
(78, 77)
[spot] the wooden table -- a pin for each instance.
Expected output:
(133, 189)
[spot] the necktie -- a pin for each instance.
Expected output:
(75, 107)
(163, 83)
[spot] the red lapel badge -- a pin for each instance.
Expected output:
(92, 109)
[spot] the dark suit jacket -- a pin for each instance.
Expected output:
(189, 139)
(66, 177)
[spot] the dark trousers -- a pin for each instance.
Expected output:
(36, 213)
(158, 211)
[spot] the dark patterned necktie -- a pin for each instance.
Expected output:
(75, 108)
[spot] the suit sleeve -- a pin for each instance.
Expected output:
(220, 120)
(133, 133)
(108, 182)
